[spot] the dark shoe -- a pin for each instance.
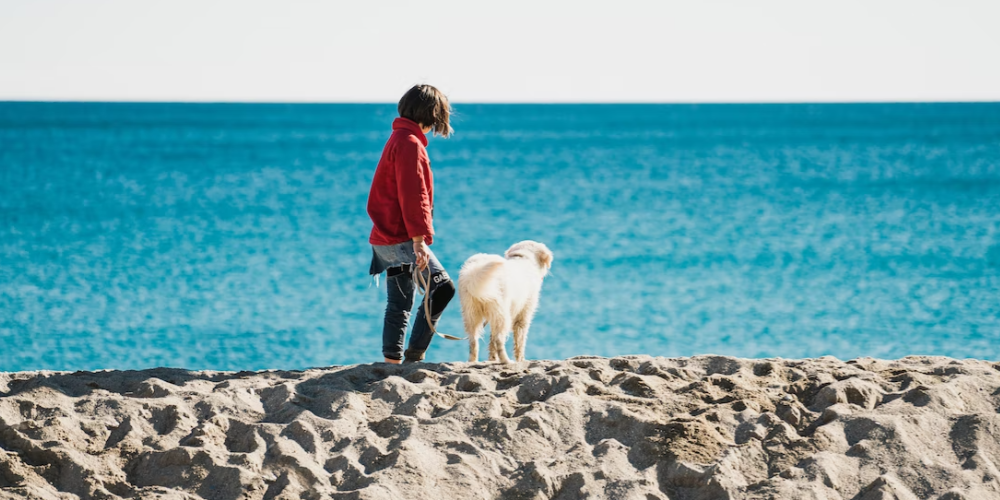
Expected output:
(411, 356)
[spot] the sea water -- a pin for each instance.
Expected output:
(234, 236)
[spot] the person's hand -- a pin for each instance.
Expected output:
(422, 252)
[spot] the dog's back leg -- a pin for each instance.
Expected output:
(499, 328)
(493, 355)
(474, 332)
(472, 318)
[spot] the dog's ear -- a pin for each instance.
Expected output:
(544, 257)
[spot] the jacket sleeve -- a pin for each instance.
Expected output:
(411, 181)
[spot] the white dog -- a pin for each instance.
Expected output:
(504, 293)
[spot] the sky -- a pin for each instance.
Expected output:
(511, 51)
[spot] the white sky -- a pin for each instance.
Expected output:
(509, 51)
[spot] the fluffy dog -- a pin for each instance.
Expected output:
(504, 293)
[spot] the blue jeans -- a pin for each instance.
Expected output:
(399, 261)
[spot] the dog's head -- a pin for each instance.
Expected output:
(532, 250)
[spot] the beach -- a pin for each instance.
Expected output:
(634, 427)
(744, 253)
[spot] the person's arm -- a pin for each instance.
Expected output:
(414, 198)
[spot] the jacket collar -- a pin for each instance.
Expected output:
(410, 126)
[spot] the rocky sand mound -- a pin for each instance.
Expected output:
(623, 428)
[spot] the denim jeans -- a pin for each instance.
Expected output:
(399, 261)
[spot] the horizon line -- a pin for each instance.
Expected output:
(4, 100)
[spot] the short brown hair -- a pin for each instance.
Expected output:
(427, 106)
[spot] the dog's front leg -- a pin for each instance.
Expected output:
(521, 324)
(520, 339)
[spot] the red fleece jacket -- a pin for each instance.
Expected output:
(402, 195)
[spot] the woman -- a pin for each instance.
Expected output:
(401, 206)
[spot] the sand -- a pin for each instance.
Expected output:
(639, 428)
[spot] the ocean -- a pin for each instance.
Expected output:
(234, 236)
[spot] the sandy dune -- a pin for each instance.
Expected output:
(623, 428)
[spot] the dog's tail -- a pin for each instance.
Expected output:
(477, 277)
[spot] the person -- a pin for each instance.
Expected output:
(401, 207)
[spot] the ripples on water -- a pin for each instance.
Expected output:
(235, 236)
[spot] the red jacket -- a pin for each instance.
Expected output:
(402, 194)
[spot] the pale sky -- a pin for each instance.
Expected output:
(508, 51)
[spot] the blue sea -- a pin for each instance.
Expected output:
(234, 236)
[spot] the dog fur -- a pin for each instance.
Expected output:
(502, 291)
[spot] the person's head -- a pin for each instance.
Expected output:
(428, 107)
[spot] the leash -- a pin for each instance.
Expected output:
(424, 284)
